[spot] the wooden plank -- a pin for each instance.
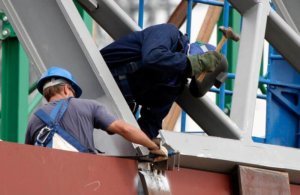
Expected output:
(212, 16)
(211, 19)
(262, 181)
(179, 15)
(170, 120)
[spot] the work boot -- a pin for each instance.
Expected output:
(212, 72)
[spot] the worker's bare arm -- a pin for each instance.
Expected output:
(131, 133)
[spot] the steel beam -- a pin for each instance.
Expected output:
(111, 17)
(243, 6)
(35, 170)
(277, 28)
(222, 155)
(208, 116)
(247, 74)
(282, 37)
(289, 11)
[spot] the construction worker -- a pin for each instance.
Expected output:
(151, 68)
(75, 119)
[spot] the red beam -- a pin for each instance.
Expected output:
(34, 170)
(190, 182)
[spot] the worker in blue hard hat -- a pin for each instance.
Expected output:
(151, 68)
(67, 122)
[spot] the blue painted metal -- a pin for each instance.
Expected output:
(283, 103)
(210, 2)
(258, 139)
(229, 92)
(269, 82)
(183, 122)
(224, 52)
(189, 18)
(188, 31)
(141, 13)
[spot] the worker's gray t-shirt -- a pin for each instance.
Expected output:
(80, 119)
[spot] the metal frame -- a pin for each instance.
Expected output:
(72, 46)
(247, 73)
(223, 155)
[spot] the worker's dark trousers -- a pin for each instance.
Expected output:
(151, 116)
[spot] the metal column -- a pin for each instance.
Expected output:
(15, 84)
(248, 66)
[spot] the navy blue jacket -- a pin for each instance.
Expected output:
(160, 52)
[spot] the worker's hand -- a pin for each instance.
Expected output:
(204, 63)
(161, 151)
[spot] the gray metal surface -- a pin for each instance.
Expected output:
(112, 18)
(222, 155)
(284, 39)
(248, 67)
(289, 11)
(208, 116)
(243, 6)
(278, 32)
(50, 40)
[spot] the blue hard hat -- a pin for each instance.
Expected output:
(200, 48)
(57, 72)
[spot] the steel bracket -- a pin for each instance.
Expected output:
(279, 92)
(7, 30)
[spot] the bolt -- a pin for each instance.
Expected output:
(226, 110)
(4, 18)
(5, 32)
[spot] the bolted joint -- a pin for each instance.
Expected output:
(4, 19)
(5, 33)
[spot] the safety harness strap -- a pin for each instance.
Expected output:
(45, 136)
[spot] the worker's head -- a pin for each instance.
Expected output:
(203, 58)
(58, 81)
(199, 48)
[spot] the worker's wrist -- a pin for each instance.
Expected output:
(154, 148)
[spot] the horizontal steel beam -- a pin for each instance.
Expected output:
(222, 155)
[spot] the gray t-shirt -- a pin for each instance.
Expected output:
(80, 119)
